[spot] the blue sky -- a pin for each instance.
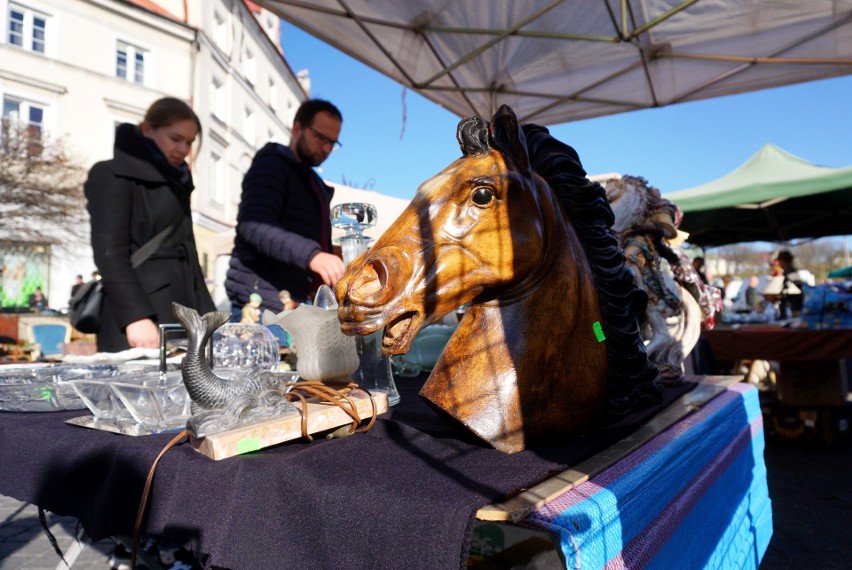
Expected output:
(674, 147)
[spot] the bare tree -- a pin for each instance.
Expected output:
(819, 256)
(744, 259)
(41, 188)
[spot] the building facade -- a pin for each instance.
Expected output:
(77, 68)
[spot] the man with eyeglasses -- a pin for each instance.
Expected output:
(283, 229)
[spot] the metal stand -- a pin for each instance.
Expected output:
(168, 329)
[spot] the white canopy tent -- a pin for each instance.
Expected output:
(555, 61)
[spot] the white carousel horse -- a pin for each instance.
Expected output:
(679, 303)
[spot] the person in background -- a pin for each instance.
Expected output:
(78, 282)
(753, 298)
(37, 301)
(141, 193)
(792, 300)
(283, 229)
(775, 268)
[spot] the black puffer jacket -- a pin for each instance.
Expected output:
(281, 225)
(131, 198)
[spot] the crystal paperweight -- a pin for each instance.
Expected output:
(246, 346)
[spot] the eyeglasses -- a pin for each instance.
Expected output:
(325, 140)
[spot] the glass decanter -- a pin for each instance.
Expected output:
(374, 371)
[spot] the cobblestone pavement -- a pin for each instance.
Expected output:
(25, 546)
(811, 505)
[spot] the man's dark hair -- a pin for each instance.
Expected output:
(307, 110)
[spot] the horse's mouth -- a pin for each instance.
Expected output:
(399, 333)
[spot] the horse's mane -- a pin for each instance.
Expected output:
(630, 378)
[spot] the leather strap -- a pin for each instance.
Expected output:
(325, 393)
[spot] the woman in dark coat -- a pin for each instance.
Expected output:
(132, 198)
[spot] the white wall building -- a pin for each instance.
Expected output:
(76, 68)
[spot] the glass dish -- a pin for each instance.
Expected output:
(155, 402)
(101, 400)
(46, 388)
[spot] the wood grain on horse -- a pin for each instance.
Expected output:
(526, 363)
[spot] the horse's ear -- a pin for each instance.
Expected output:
(509, 138)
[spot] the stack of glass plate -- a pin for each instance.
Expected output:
(47, 388)
(135, 403)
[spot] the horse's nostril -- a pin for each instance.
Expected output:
(380, 271)
(370, 283)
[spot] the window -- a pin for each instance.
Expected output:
(18, 114)
(23, 112)
(16, 27)
(27, 29)
(216, 182)
(130, 62)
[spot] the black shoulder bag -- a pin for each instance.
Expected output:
(84, 309)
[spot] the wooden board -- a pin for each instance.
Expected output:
(518, 507)
(321, 417)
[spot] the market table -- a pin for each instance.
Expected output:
(405, 494)
(814, 365)
(772, 342)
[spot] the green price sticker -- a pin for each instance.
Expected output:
(599, 334)
(248, 444)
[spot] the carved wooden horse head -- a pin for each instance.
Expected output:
(528, 361)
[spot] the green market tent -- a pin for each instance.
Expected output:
(773, 196)
(844, 272)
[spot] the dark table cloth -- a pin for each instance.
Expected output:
(770, 342)
(402, 495)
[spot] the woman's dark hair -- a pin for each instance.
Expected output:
(168, 110)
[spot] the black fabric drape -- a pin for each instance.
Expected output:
(402, 495)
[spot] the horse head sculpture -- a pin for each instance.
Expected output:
(549, 344)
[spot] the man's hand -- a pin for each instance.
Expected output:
(143, 333)
(329, 267)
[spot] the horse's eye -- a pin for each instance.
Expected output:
(482, 196)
